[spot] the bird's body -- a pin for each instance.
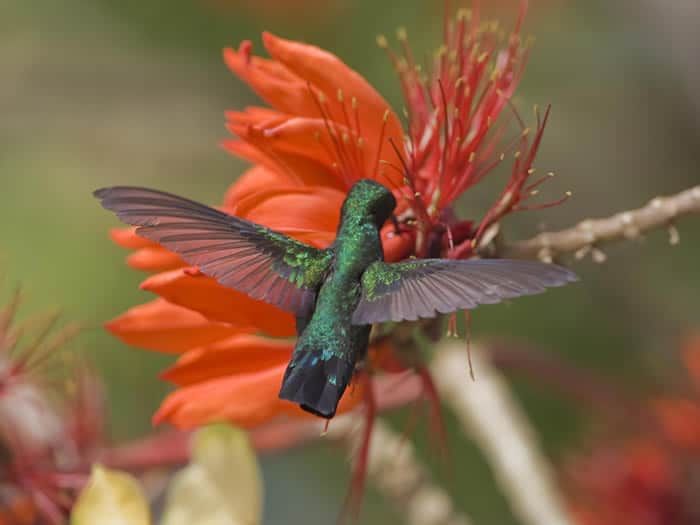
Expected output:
(329, 345)
(336, 293)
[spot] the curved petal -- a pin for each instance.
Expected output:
(247, 400)
(240, 354)
(186, 287)
(294, 169)
(290, 209)
(154, 259)
(340, 84)
(127, 238)
(272, 81)
(166, 327)
(300, 168)
(396, 246)
(680, 419)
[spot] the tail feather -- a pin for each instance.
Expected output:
(316, 380)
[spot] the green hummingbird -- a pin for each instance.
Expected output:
(335, 293)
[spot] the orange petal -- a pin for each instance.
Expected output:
(680, 419)
(165, 327)
(203, 294)
(255, 179)
(247, 400)
(127, 238)
(288, 209)
(396, 247)
(329, 74)
(272, 81)
(300, 135)
(300, 168)
(240, 354)
(153, 259)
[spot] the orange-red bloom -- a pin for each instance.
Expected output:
(648, 478)
(324, 128)
(47, 433)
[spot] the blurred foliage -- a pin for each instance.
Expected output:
(112, 498)
(220, 486)
(132, 92)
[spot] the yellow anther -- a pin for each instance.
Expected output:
(526, 132)
(360, 142)
(353, 102)
(516, 154)
(441, 51)
(483, 56)
(531, 171)
(382, 41)
(401, 34)
(386, 115)
(502, 156)
(568, 193)
(472, 156)
(551, 174)
(346, 138)
(534, 192)
(340, 95)
(464, 14)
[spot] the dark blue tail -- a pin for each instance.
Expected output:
(316, 380)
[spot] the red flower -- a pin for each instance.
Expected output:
(325, 128)
(648, 478)
(47, 434)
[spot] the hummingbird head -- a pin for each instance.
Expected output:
(369, 200)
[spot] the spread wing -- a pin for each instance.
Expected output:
(240, 254)
(421, 288)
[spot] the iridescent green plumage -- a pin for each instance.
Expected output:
(336, 293)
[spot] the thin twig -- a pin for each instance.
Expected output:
(587, 236)
(490, 415)
(397, 473)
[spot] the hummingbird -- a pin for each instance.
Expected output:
(335, 293)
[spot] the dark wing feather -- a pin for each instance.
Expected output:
(240, 254)
(422, 288)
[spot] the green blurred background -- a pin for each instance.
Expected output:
(133, 92)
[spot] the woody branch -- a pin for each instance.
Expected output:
(588, 235)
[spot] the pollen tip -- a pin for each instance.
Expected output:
(464, 14)
(353, 102)
(385, 118)
(340, 95)
(382, 42)
(401, 34)
(568, 193)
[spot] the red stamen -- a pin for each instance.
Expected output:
(353, 501)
